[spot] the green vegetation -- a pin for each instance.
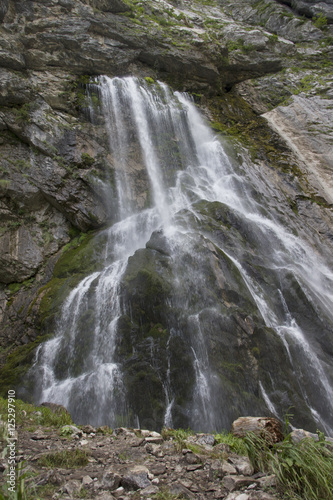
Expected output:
(87, 160)
(272, 39)
(71, 253)
(17, 365)
(164, 494)
(303, 471)
(236, 444)
(75, 92)
(237, 120)
(66, 431)
(13, 225)
(30, 414)
(180, 436)
(20, 492)
(23, 164)
(149, 80)
(78, 259)
(15, 287)
(67, 459)
(4, 183)
(240, 45)
(23, 113)
(320, 21)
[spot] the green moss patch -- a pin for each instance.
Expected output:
(78, 257)
(237, 120)
(17, 365)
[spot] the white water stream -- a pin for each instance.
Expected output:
(201, 170)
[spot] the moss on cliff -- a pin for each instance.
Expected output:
(79, 258)
(235, 118)
(17, 365)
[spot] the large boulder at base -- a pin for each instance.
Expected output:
(267, 427)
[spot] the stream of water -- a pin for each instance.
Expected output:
(82, 371)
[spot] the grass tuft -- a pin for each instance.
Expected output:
(303, 471)
(236, 444)
(66, 459)
(178, 435)
(26, 412)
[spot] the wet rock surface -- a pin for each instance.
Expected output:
(253, 68)
(124, 465)
(56, 167)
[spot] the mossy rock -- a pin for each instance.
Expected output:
(146, 282)
(83, 258)
(17, 366)
(146, 395)
(235, 118)
(80, 258)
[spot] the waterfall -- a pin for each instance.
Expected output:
(187, 222)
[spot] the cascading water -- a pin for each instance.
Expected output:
(197, 280)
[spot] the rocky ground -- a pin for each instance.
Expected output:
(135, 464)
(58, 460)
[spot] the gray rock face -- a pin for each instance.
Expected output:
(20, 256)
(276, 18)
(110, 480)
(114, 6)
(14, 88)
(311, 8)
(3, 9)
(306, 126)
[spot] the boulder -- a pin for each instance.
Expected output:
(110, 480)
(136, 478)
(311, 8)
(267, 427)
(57, 409)
(233, 483)
(72, 488)
(297, 435)
(243, 465)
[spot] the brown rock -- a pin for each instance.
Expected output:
(178, 489)
(193, 467)
(111, 480)
(154, 440)
(267, 427)
(191, 458)
(158, 469)
(232, 483)
(222, 448)
(243, 465)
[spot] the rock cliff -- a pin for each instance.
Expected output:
(261, 73)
